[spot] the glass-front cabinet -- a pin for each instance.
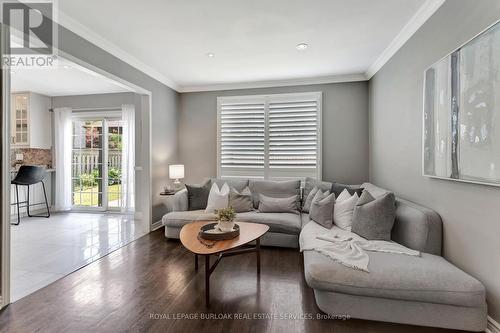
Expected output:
(31, 122)
(20, 119)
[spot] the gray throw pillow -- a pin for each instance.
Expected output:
(309, 185)
(274, 189)
(237, 183)
(241, 201)
(373, 218)
(308, 200)
(278, 205)
(337, 188)
(198, 195)
(321, 210)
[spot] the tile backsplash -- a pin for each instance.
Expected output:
(32, 156)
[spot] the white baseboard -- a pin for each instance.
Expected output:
(156, 225)
(492, 326)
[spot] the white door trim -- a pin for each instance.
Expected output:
(5, 264)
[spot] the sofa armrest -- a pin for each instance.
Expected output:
(180, 201)
(417, 227)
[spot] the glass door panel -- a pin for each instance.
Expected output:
(88, 163)
(114, 157)
(97, 163)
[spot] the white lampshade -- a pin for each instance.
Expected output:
(176, 171)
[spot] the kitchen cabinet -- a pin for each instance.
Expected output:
(31, 125)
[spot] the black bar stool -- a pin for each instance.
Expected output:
(26, 176)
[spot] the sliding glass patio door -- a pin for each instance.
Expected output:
(97, 163)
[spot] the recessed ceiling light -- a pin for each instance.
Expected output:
(66, 66)
(301, 46)
(210, 55)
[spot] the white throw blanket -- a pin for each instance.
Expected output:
(347, 248)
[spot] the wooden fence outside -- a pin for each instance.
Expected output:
(87, 160)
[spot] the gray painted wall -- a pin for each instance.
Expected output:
(470, 212)
(164, 109)
(345, 130)
(94, 100)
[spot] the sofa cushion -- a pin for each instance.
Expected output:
(274, 189)
(322, 208)
(428, 278)
(304, 218)
(237, 183)
(374, 218)
(179, 219)
(415, 226)
(309, 184)
(337, 188)
(198, 195)
(285, 223)
(278, 205)
(241, 201)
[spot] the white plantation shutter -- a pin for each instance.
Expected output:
(293, 136)
(270, 136)
(241, 137)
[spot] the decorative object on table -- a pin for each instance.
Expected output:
(211, 231)
(209, 244)
(169, 190)
(165, 192)
(225, 217)
(462, 113)
(176, 172)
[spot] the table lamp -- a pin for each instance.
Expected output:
(176, 172)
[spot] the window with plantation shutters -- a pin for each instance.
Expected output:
(269, 136)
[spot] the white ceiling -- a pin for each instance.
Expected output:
(253, 41)
(65, 79)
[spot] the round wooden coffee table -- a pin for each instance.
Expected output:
(224, 248)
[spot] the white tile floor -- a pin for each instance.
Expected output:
(44, 250)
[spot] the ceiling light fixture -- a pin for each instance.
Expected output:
(66, 66)
(210, 55)
(301, 46)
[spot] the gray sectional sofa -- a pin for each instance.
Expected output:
(425, 290)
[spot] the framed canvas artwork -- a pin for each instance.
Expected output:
(461, 123)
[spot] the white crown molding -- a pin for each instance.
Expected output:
(416, 21)
(275, 83)
(95, 38)
(425, 11)
(492, 326)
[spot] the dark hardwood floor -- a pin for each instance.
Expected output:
(150, 285)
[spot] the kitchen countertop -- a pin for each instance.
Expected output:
(15, 170)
